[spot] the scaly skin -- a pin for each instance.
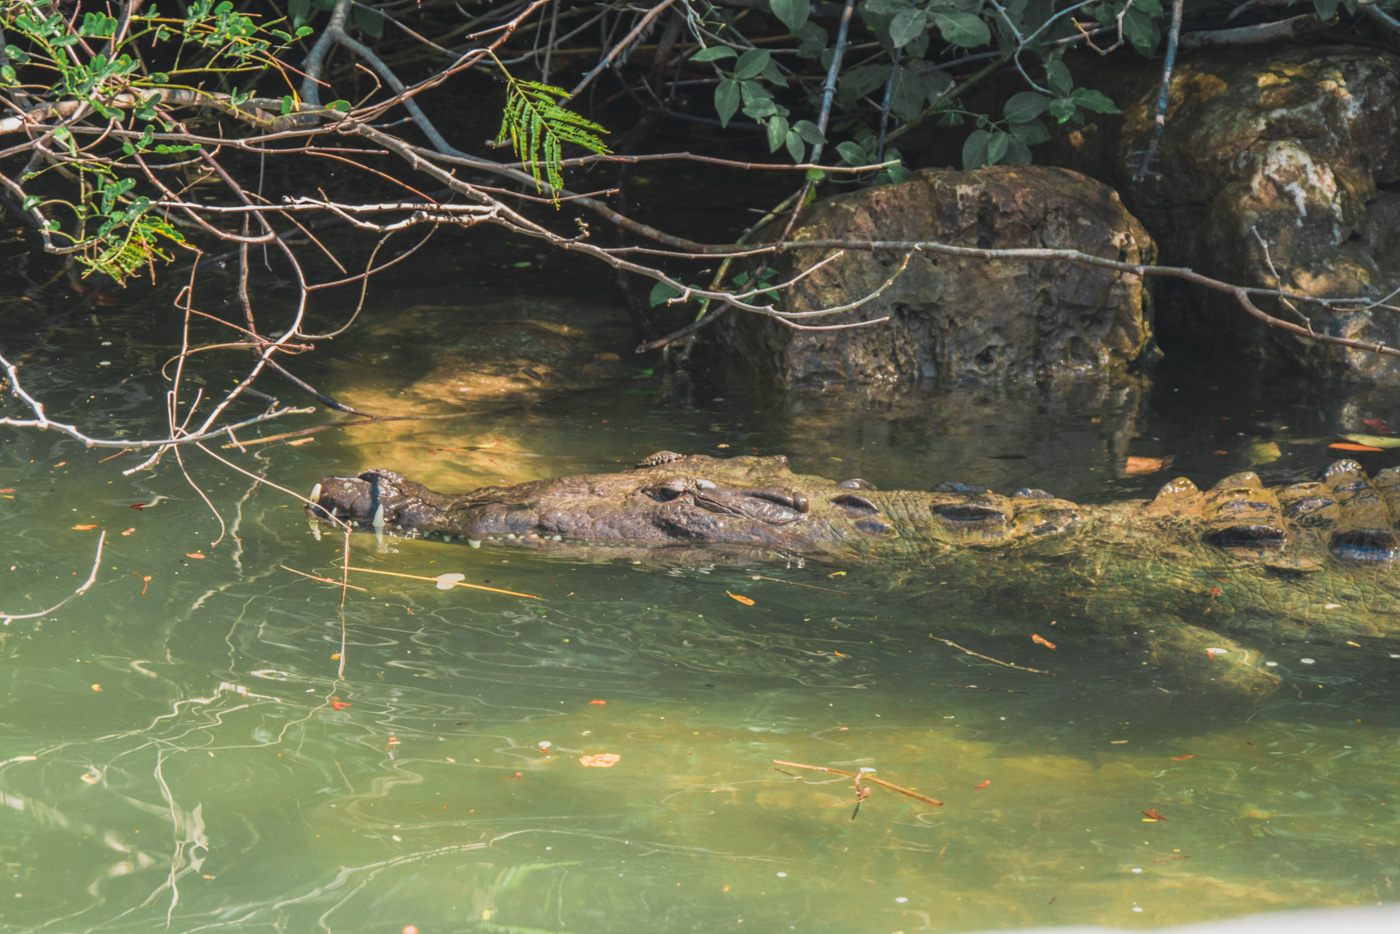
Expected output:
(1300, 563)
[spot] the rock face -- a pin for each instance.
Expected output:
(1276, 168)
(953, 319)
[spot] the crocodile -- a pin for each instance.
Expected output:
(1187, 571)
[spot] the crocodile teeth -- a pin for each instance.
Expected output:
(316, 493)
(378, 520)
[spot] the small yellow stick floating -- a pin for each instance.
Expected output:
(444, 579)
(864, 776)
(324, 580)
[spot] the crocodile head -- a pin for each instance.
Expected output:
(671, 500)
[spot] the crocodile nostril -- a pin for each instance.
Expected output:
(1365, 546)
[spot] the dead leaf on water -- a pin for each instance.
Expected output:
(604, 760)
(1136, 466)
(741, 598)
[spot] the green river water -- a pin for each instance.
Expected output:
(207, 741)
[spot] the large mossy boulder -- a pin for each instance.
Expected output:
(1277, 168)
(953, 319)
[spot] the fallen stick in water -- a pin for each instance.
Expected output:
(864, 775)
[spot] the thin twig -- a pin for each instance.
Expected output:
(995, 661)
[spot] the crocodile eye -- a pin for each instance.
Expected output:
(1364, 546)
(669, 490)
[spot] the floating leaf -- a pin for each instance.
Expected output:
(741, 598)
(981, 786)
(1153, 814)
(1179, 758)
(195, 555)
(1380, 441)
(604, 760)
(1136, 466)
(339, 704)
(597, 702)
(1262, 452)
(83, 528)
(448, 581)
(1041, 640)
(1377, 425)
(1344, 446)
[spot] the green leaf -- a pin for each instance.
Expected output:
(1150, 7)
(908, 95)
(1058, 77)
(939, 82)
(851, 153)
(813, 39)
(31, 202)
(751, 64)
(369, 22)
(808, 131)
(894, 175)
(726, 100)
(303, 31)
(1025, 106)
(907, 26)
(793, 13)
(752, 91)
(1139, 29)
(997, 144)
(762, 108)
(661, 293)
(795, 147)
(963, 29)
(777, 133)
(288, 105)
(1326, 9)
(974, 154)
(1017, 152)
(1089, 99)
(713, 54)
(1063, 110)
(98, 26)
(861, 80)
(1031, 133)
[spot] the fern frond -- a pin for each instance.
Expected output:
(537, 125)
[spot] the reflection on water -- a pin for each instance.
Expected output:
(223, 746)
